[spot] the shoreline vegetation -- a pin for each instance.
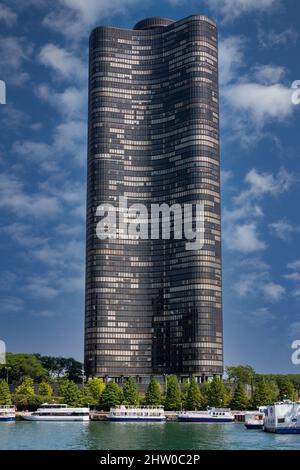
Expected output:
(28, 380)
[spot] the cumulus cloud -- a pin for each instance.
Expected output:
(283, 229)
(245, 238)
(271, 38)
(14, 53)
(14, 198)
(269, 74)
(63, 62)
(261, 103)
(75, 18)
(7, 15)
(294, 264)
(71, 103)
(273, 292)
(231, 57)
(231, 9)
(255, 281)
(240, 227)
(260, 184)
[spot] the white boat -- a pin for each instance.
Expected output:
(254, 420)
(7, 413)
(134, 414)
(283, 417)
(61, 412)
(211, 415)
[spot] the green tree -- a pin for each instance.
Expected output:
(21, 366)
(205, 388)
(184, 393)
(287, 390)
(216, 393)
(26, 387)
(130, 393)
(45, 389)
(273, 390)
(241, 374)
(262, 395)
(239, 400)
(153, 394)
(62, 367)
(5, 396)
(93, 391)
(194, 400)
(111, 396)
(173, 394)
(70, 392)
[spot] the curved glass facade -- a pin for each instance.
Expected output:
(151, 305)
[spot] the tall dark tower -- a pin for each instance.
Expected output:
(153, 307)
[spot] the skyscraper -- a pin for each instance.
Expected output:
(153, 307)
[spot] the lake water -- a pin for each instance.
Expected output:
(145, 436)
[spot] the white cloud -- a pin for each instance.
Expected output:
(14, 53)
(260, 103)
(292, 276)
(271, 38)
(261, 315)
(244, 238)
(283, 229)
(62, 255)
(71, 103)
(269, 74)
(11, 304)
(22, 234)
(39, 288)
(294, 330)
(296, 292)
(69, 138)
(261, 184)
(274, 292)
(65, 64)
(75, 18)
(231, 9)
(240, 230)
(226, 175)
(231, 57)
(7, 15)
(254, 280)
(14, 198)
(40, 153)
(294, 264)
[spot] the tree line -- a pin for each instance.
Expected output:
(39, 368)
(98, 395)
(56, 380)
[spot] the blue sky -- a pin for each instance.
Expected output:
(43, 60)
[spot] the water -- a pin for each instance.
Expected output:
(145, 436)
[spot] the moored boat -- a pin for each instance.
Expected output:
(58, 412)
(135, 414)
(7, 413)
(254, 420)
(283, 418)
(211, 415)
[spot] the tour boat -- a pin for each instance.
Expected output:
(211, 415)
(283, 417)
(55, 412)
(133, 414)
(254, 419)
(7, 413)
